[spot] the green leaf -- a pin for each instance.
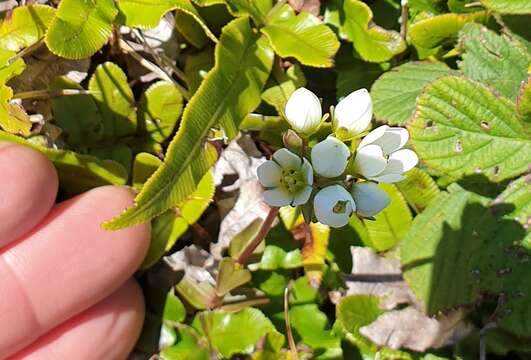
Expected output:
(25, 26)
(80, 27)
(197, 66)
(274, 257)
(115, 100)
(9, 69)
(356, 311)
(230, 276)
(77, 173)
(120, 153)
(493, 59)
(173, 309)
(301, 36)
(13, 117)
(508, 6)
(390, 225)
(188, 347)
(230, 91)
(256, 9)
(159, 110)
(234, 333)
(395, 92)
(523, 101)
(464, 247)
(146, 14)
(434, 31)
(281, 85)
(461, 128)
(373, 43)
(78, 116)
(418, 188)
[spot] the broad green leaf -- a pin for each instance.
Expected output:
(190, 29)
(234, 333)
(275, 257)
(231, 90)
(302, 36)
(13, 117)
(146, 14)
(9, 69)
(523, 101)
(115, 100)
(395, 92)
(80, 27)
(464, 247)
(356, 311)
(508, 6)
(371, 42)
(197, 66)
(77, 173)
(144, 166)
(159, 110)
(493, 59)
(120, 153)
(25, 26)
(461, 128)
(258, 10)
(418, 188)
(173, 309)
(390, 225)
(78, 116)
(189, 346)
(281, 85)
(434, 31)
(230, 276)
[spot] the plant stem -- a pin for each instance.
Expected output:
(39, 94)
(25, 51)
(403, 21)
(249, 249)
(289, 333)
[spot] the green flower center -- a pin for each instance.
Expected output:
(293, 180)
(340, 207)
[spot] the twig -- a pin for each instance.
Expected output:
(249, 249)
(39, 94)
(289, 333)
(403, 19)
(25, 51)
(483, 340)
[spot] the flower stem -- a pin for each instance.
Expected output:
(264, 229)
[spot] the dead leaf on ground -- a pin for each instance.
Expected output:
(194, 262)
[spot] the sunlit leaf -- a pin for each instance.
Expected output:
(230, 91)
(281, 85)
(25, 26)
(461, 128)
(301, 36)
(256, 9)
(395, 92)
(523, 101)
(418, 188)
(197, 66)
(230, 276)
(80, 27)
(508, 6)
(13, 117)
(189, 346)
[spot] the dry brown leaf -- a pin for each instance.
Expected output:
(194, 262)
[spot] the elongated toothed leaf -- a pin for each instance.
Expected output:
(80, 27)
(230, 91)
(508, 6)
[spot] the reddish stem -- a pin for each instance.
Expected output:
(249, 249)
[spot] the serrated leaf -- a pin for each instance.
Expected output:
(493, 59)
(508, 6)
(302, 36)
(390, 225)
(25, 26)
(230, 91)
(372, 42)
(418, 188)
(80, 27)
(159, 110)
(523, 101)
(77, 173)
(461, 128)
(115, 100)
(434, 31)
(281, 85)
(463, 247)
(190, 29)
(395, 92)
(147, 13)
(235, 333)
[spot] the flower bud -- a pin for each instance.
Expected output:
(333, 206)
(292, 141)
(352, 115)
(303, 111)
(330, 157)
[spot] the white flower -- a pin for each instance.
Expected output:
(288, 179)
(330, 157)
(352, 115)
(303, 111)
(333, 206)
(379, 157)
(369, 199)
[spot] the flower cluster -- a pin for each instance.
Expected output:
(336, 183)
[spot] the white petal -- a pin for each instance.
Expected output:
(269, 174)
(302, 197)
(307, 171)
(407, 158)
(325, 201)
(277, 197)
(389, 178)
(373, 136)
(329, 157)
(370, 161)
(369, 198)
(303, 111)
(287, 160)
(393, 139)
(353, 114)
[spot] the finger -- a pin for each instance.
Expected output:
(108, 330)
(28, 186)
(67, 264)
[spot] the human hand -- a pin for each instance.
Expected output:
(65, 284)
